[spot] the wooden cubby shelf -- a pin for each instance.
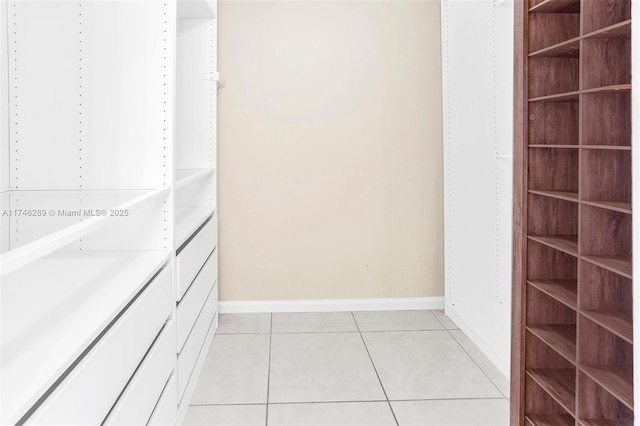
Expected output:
(565, 243)
(564, 291)
(562, 195)
(572, 341)
(560, 337)
(560, 384)
(556, 6)
(549, 419)
(618, 322)
(618, 264)
(616, 379)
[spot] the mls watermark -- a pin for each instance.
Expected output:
(64, 212)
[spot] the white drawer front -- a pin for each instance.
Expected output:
(192, 257)
(88, 393)
(194, 299)
(189, 356)
(136, 404)
(166, 412)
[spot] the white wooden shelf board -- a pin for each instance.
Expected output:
(188, 220)
(118, 200)
(53, 309)
(196, 9)
(187, 176)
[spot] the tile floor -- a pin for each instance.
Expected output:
(347, 369)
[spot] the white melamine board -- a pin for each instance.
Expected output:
(477, 42)
(127, 79)
(4, 99)
(53, 309)
(188, 220)
(635, 135)
(47, 243)
(5, 223)
(195, 95)
(196, 9)
(44, 93)
(188, 176)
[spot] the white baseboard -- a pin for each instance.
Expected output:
(331, 305)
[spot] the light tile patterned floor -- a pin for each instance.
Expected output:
(347, 369)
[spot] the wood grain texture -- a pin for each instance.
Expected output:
(611, 59)
(606, 175)
(551, 76)
(553, 123)
(605, 232)
(598, 346)
(542, 356)
(618, 264)
(617, 379)
(555, 6)
(564, 291)
(539, 402)
(545, 262)
(596, 405)
(552, 216)
(553, 169)
(561, 338)
(598, 14)
(601, 289)
(543, 309)
(606, 120)
(565, 243)
(549, 419)
(560, 384)
(548, 29)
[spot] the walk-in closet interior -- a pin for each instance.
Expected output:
(426, 212)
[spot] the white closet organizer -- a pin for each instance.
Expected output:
(108, 237)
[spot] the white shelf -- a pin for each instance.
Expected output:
(32, 251)
(196, 9)
(53, 309)
(187, 176)
(189, 219)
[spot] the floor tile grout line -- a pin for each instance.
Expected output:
(266, 415)
(375, 369)
(476, 363)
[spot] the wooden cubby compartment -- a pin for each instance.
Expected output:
(611, 59)
(605, 239)
(606, 177)
(552, 322)
(552, 76)
(606, 359)
(606, 119)
(553, 169)
(553, 272)
(566, 26)
(605, 298)
(553, 373)
(599, 14)
(553, 123)
(597, 407)
(541, 408)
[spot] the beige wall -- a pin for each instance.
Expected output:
(330, 150)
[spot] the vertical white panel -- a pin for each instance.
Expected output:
(126, 93)
(4, 127)
(477, 40)
(635, 143)
(195, 94)
(43, 93)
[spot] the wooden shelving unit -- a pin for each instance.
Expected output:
(572, 357)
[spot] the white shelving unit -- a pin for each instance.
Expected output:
(107, 208)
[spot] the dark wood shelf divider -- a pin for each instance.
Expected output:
(572, 333)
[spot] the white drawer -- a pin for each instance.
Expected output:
(194, 299)
(136, 404)
(87, 394)
(192, 257)
(189, 356)
(166, 412)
